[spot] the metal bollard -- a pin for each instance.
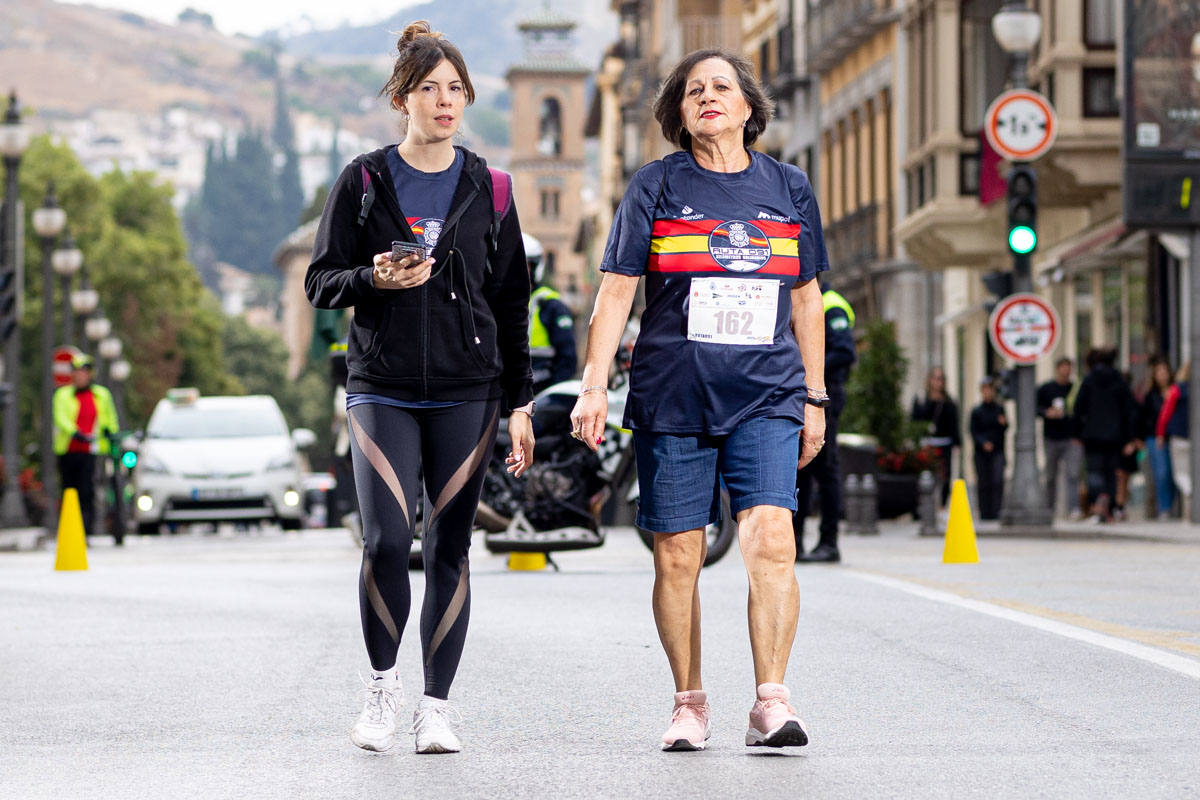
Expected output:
(852, 499)
(926, 505)
(868, 506)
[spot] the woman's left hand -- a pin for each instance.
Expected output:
(520, 429)
(812, 436)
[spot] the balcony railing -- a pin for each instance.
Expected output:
(837, 26)
(852, 241)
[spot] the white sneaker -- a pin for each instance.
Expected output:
(431, 727)
(376, 726)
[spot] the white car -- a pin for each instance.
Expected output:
(218, 459)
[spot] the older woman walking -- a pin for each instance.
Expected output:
(730, 243)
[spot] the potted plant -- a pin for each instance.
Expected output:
(873, 408)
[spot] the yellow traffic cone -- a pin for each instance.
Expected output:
(526, 562)
(960, 529)
(72, 546)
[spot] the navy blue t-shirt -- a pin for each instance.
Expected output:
(424, 196)
(730, 232)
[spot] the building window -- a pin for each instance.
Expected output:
(550, 203)
(550, 129)
(968, 174)
(984, 64)
(1100, 92)
(1100, 23)
(548, 258)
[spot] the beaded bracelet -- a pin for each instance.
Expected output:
(592, 390)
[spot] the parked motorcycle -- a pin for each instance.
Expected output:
(569, 491)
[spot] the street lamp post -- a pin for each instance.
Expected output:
(67, 260)
(1018, 30)
(84, 301)
(48, 223)
(14, 138)
(109, 349)
(119, 372)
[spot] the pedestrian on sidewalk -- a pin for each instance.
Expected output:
(839, 358)
(1162, 378)
(438, 349)
(1172, 432)
(1060, 440)
(1127, 463)
(941, 412)
(85, 417)
(727, 383)
(988, 426)
(1106, 415)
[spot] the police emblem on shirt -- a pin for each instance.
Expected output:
(739, 246)
(429, 229)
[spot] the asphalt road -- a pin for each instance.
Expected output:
(227, 667)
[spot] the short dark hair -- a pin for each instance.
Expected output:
(670, 97)
(421, 49)
(1064, 360)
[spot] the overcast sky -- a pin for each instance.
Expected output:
(253, 17)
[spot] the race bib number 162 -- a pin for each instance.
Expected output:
(737, 311)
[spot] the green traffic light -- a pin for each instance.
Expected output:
(129, 459)
(1022, 239)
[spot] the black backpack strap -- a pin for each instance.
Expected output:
(368, 196)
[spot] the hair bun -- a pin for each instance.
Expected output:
(415, 30)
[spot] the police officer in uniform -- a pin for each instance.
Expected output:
(839, 357)
(551, 326)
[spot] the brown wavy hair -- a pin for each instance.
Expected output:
(421, 49)
(670, 97)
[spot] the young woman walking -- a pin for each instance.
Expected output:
(437, 351)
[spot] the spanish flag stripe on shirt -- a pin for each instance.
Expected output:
(673, 227)
(682, 245)
(703, 262)
(669, 245)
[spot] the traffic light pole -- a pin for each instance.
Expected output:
(1193, 511)
(1024, 504)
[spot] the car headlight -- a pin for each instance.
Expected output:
(286, 461)
(150, 464)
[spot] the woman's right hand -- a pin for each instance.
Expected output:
(407, 273)
(588, 418)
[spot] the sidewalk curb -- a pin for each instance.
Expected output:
(22, 539)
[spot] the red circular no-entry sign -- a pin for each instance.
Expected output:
(61, 364)
(1024, 328)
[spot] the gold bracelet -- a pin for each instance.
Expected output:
(592, 390)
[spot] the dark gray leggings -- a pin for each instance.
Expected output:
(390, 448)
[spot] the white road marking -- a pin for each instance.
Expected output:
(1180, 664)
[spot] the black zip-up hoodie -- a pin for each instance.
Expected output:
(462, 335)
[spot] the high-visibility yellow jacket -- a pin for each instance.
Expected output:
(66, 412)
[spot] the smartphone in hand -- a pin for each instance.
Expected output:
(402, 250)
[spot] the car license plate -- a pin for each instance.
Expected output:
(216, 493)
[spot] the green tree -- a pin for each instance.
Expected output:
(315, 206)
(873, 391)
(134, 252)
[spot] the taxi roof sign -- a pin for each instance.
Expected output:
(183, 396)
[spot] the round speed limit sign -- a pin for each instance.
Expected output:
(1024, 328)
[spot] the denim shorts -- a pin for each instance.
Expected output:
(680, 475)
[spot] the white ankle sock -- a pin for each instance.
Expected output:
(387, 677)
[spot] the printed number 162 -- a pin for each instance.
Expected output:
(730, 322)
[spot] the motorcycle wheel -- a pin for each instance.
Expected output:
(720, 534)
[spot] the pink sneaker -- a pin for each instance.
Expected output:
(690, 727)
(773, 722)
